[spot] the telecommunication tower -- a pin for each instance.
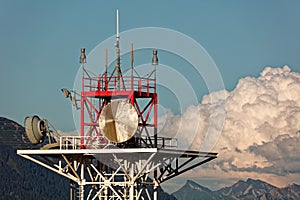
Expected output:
(118, 153)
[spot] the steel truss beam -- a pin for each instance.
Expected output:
(117, 173)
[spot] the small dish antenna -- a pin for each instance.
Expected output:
(36, 129)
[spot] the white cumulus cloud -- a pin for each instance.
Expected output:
(254, 128)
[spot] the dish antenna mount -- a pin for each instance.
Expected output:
(36, 129)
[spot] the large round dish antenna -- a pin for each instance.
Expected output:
(118, 121)
(35, 129)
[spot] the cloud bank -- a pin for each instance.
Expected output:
(254, 128)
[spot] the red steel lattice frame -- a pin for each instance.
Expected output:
(99, 91)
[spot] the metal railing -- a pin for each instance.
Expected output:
(76, 142)
(167, 143)
(115, 83)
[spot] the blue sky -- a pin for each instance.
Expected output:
(40, 46)
(41, 40)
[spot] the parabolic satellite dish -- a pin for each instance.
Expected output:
(35, 129)
(118, 121)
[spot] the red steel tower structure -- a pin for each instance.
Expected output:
(98, 91)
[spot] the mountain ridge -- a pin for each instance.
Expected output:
(242, 190)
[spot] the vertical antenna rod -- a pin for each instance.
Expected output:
(117, 24)
(131, 58)
(106, 61)
(118, 66)
(117, 40)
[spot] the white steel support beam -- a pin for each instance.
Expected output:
(117, 174)
(52, 168)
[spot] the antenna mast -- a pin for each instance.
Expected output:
(117, 41)
(118, 66)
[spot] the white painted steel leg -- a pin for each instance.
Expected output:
(81, 192)
(71, 192)
(155, 192)
(81, 185)
(155, 185)
(106, 193)
(131, 190)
